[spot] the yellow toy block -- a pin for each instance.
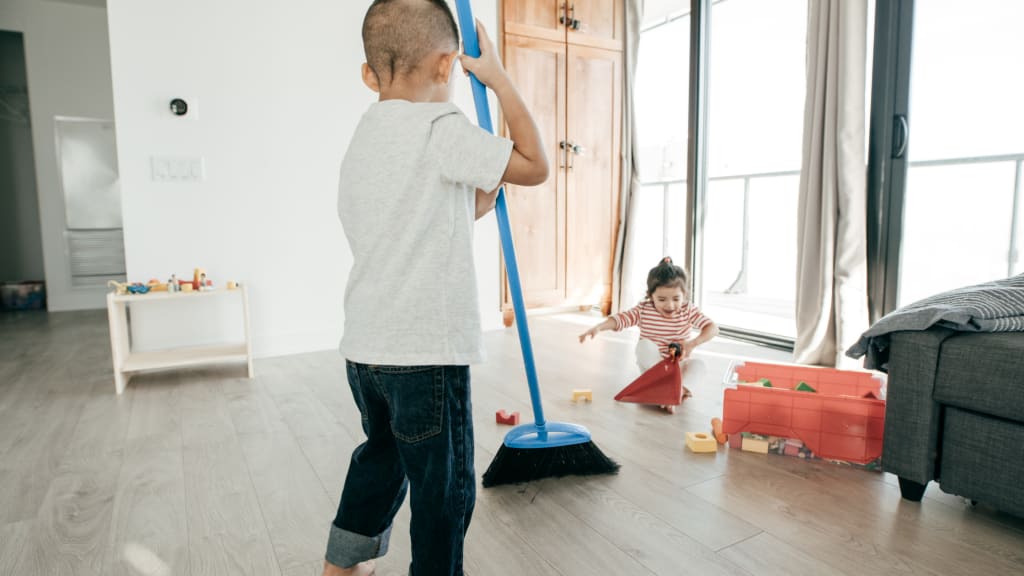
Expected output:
(755, 445)
(582, 393)
(701, 442)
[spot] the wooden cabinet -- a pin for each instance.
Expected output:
(565, 230)
(538, 213)
(594, 128)
(598, 23)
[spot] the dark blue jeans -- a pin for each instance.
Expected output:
(419, 438)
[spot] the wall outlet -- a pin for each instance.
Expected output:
(177, 169)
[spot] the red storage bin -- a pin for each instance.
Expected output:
(836, 422)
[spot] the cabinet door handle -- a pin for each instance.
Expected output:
(563, 162)
(568, 17)
(576, 150)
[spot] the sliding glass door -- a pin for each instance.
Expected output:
(947, 147)
(965, 146)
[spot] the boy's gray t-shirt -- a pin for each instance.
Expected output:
(407, 199)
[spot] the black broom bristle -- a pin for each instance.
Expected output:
(515, 465)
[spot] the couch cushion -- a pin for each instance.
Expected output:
(983, 372)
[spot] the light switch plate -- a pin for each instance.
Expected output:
(177, 168)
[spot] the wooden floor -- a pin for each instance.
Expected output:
(204, 472)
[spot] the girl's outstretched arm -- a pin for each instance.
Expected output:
(608, 324)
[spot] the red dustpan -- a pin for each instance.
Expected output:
(662, 384)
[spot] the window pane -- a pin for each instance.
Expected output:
(965, 148)
(755, 137)
(662, 97)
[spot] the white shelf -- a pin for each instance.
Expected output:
(182, 357)
(128, 362)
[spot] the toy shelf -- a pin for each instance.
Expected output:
(127, 362)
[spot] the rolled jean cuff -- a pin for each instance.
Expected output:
(346, 549)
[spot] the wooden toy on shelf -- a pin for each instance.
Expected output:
(503, 417)
(582, 394)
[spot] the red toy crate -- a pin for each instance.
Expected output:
(836, 422)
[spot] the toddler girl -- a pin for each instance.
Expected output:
(666, 316)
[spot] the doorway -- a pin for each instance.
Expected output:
(21, 246)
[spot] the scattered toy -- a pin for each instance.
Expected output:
(582, 394)
(700, 442)
(716, 428)
(503, 417)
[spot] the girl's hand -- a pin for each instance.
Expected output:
(592, 332)
(688, 347)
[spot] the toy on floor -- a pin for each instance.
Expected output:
(582, 394)
(662, 384)
(503, 417)
(701, 442)
(755, 443)
(716, 428)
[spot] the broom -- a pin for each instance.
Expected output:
(541, 449)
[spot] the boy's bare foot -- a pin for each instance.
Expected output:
(362, 569)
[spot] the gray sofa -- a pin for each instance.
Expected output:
(955, 414)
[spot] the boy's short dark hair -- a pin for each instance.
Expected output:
(399, 34)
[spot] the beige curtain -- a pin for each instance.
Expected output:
(831, 302)
(622, 292)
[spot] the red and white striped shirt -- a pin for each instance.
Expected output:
(659, 329)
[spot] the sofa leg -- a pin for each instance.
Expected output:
(911, 490)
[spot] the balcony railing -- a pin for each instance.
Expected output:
(739, 285)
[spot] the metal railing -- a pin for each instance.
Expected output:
(739, 286)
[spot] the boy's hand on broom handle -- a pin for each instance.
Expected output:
(606, 325)
(528, 164)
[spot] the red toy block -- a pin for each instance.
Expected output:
(503, 417)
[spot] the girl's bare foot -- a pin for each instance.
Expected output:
(362, 569)
(686, 393)
(668, 408)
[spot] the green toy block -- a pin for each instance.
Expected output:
(765, 382)
(804, 387)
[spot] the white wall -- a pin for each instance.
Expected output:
(68, 66)
(277, 94)
(21, 245)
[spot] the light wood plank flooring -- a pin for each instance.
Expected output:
(204, 472)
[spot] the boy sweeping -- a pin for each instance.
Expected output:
(415, 177)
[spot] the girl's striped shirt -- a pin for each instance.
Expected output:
(659, 329)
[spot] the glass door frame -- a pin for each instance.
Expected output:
(888, 139)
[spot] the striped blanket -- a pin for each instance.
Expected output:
(996, 306)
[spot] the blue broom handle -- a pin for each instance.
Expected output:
(471, 47)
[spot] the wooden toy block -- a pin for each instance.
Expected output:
(755, 445)
(735, 441)
(701, 442)
(804, 387)
(582, 394)
(716, 428)
(503, 417)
